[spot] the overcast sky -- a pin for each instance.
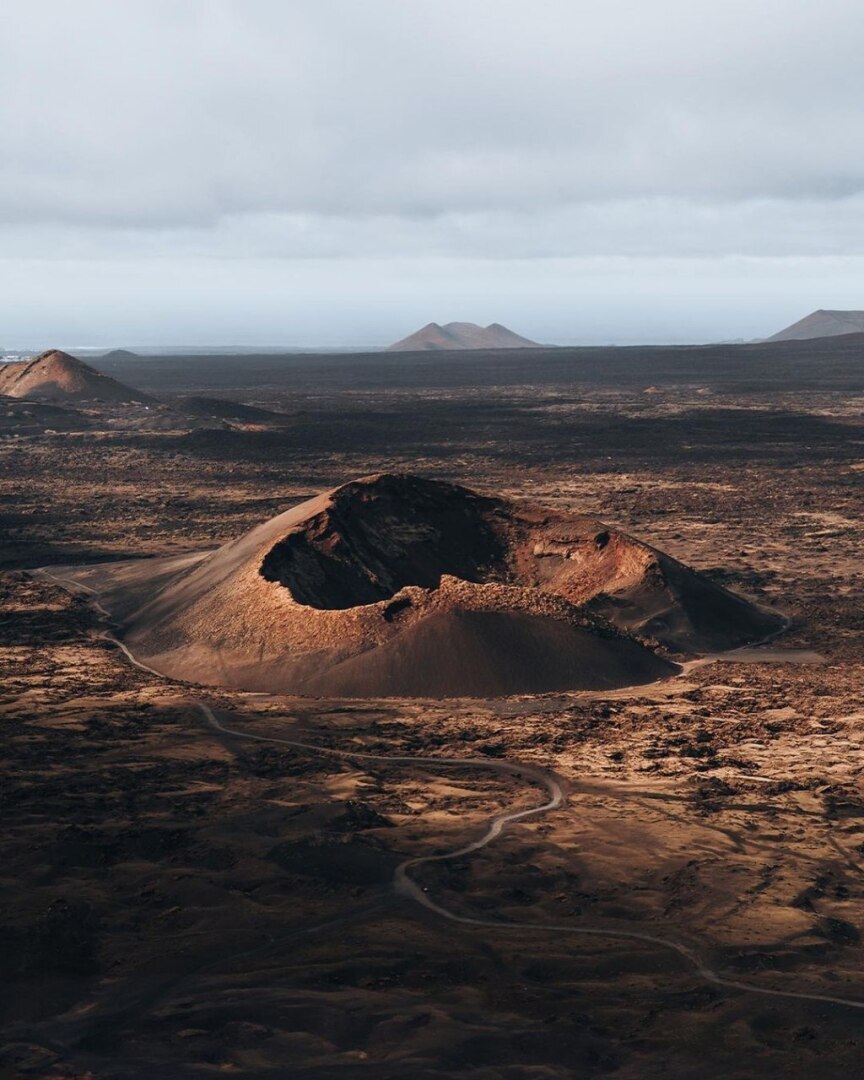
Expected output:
(317, 172)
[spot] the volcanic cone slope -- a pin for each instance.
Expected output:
(398, 585)
(56, 376)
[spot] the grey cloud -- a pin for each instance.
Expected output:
(194, 160)
(180, 114)
(642, 227)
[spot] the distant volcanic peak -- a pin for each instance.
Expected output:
(822, 323)
(55, 375)
(462, 335)
(120, 354)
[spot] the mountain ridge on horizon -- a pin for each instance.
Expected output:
(462, 335)
(824, 322)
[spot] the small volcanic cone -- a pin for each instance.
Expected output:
(119, 354)
(398, 585)
(57, 376)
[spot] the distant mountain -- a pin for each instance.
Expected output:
(822, 323)
(462, 335)
(57, 376)
(119, 354)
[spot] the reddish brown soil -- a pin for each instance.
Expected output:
(57, 376)
(178, 903)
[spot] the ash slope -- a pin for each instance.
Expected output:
(56, 376)
(394, 585)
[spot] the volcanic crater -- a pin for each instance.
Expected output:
(397, 585)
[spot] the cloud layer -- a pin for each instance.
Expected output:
(492, 130)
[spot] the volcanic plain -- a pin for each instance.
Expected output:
(186, 891)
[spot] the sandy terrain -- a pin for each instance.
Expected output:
(179, 901)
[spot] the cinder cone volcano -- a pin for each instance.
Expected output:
(398, 585)
(57, 376)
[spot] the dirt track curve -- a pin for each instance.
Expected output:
(405, 885)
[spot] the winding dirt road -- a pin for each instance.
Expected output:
(404, 883)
